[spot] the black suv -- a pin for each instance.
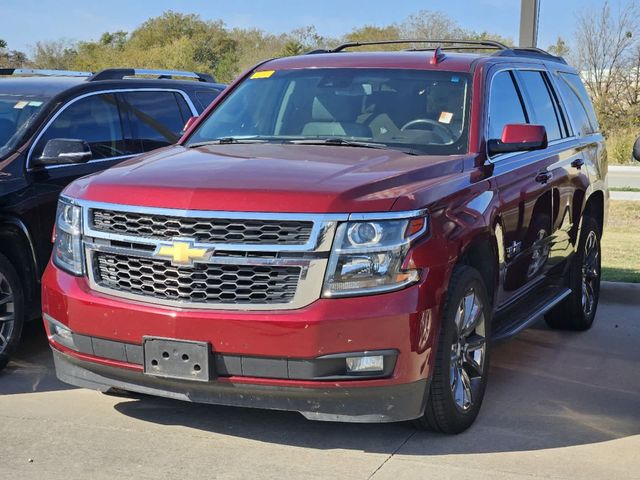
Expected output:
(56, 126)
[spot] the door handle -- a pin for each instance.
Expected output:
(544, 176)
(577, 163)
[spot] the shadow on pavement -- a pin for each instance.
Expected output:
(31, 368)
(547, 389)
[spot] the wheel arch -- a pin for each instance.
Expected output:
(16, 244)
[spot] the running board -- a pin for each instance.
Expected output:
(526, 311)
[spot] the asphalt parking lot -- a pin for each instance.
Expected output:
(559, 405)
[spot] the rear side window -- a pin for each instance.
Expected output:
(505, 105)
(155, 118)
(543, 108)
(205, 97)
(96, 120)
(578, 103)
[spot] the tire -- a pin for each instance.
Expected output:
(578, 310)
(11, 310)
(452, 408)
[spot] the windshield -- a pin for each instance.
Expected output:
(417, 111)
(16, 113)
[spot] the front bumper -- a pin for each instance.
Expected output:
(368, 404)
(402, 322)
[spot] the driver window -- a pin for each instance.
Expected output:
(505, 106)
(96, 120)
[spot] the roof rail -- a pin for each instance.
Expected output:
(478, 44)
(44, 73)
(121, 73)
(530, 52)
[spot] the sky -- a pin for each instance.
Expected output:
(26, 22)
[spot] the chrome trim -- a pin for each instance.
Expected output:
(173, 73)
(29, 167)
(364, 217)
(320, 239)
(49, 72)
(308, 289)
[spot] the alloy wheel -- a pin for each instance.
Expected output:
(7, 313)
(590, 273)
(468, 351)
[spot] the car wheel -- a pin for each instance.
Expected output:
(578, 310)
(462, 358)
(11, 310)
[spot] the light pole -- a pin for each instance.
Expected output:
(529, 11)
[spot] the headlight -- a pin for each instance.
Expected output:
(367, 256)
(67, 247)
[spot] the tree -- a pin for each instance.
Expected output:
(57, 54)
(560, 48)
(3, 44)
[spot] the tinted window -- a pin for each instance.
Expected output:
(17, 112)
(505, 106)
(155, 118)
(544, 109)
(205, 97)
(94, 119)
(578, 103)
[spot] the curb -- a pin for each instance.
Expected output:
(624, 196)
(622, 293)
(624, 168)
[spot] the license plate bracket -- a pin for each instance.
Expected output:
(179, 359)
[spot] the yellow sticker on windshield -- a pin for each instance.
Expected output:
(445, 117)
(263, 74)
(20, 105)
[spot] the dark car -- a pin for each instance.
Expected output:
(350, 234)
(56, 126)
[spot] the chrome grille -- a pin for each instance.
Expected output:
(198, 284)
(205, 230)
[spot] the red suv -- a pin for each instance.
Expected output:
(342, 234)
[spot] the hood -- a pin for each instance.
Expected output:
(265, 178)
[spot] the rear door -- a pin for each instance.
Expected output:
(524, 184)
(565, 168)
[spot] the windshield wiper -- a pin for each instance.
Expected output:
(340, 142)
(227, 141)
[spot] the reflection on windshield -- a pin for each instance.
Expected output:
(16, 112)
(417, 111)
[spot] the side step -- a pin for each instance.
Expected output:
(527, 310)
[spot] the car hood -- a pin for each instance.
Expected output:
(266, 178)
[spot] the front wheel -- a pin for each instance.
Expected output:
(462, 360)
(11, 310)
(578, 310)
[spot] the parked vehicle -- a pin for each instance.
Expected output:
(350, 234)
(636, 149)
(56, 126)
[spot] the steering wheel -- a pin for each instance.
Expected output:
(427, 121)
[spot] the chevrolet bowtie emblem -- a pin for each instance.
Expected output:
(182, 252)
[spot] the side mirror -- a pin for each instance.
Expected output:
(62, 151)
(636, 149)
(189, 124)
(519, 137)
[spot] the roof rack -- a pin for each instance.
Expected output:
(121, 73)
(44, 73)
(502, 50)
(477, 44)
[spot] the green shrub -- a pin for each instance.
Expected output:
(620, 144)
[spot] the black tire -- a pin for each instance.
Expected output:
(573, 313)
(11, 310)
(443, 412)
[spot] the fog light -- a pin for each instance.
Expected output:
(60, 333)
(364, 364)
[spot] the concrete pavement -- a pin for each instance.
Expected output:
(624, 176)
(558, 405)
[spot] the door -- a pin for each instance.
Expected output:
(155, 118)
(94, 118)
(524, 184)
(567, 167)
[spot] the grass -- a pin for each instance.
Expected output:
(620, 145)
(621, 243)
(624, 189)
